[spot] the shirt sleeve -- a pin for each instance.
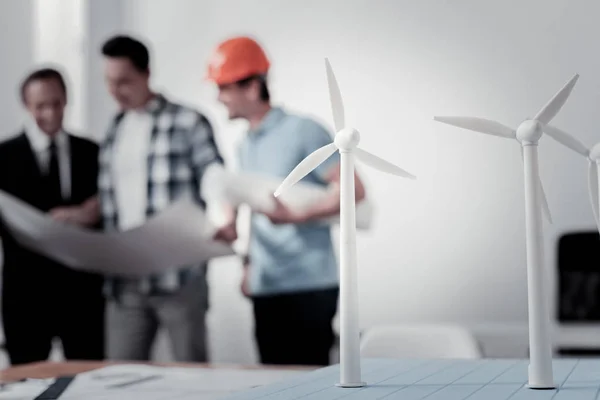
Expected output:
(204, 150)
(315, 136)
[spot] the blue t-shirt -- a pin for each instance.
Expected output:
(288, 258)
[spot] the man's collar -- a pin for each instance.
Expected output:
(154, 106)
(156, 103)
(40, 141)
(271, 118)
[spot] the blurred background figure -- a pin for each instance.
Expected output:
(155, 152)
(291, 271)
(55, 172)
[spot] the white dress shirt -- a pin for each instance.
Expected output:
(130, 169)
(40, 144)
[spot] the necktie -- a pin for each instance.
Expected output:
(53, 177)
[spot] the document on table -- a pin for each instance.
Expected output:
(257, 190)
(142, 382)
(26, 390)
(178, 236)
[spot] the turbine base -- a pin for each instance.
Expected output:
(541, 387)
(351, 384)
(541, 384)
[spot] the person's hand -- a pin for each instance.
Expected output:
(282, 214)
(245, 284)
(72, 215)
(226, 233)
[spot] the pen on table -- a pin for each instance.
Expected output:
(134, 382)
(4, 384)
(113, 376)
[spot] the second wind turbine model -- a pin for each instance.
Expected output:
(593, 156)
(528, 134)
(346, 142)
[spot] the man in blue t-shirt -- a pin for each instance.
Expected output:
(291, 271)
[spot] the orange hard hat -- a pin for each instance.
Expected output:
(236, 59)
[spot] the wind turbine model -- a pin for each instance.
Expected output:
(593, 156)
(346, 142)
(528, 134)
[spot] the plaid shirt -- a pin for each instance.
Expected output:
(182, 146)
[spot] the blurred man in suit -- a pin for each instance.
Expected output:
(55, 172)
(291, 271)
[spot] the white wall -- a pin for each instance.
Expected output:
(58, 39)
(450, 246)
(70, 33)
(16, 47)
(103, 19)
(17, 55)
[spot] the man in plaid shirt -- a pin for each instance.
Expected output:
(155, 153)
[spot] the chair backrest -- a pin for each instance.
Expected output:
(419, 341)
(578, 277)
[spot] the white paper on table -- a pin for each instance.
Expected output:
(173, 382)
(26, 390)
(178, 236)
(257, 190)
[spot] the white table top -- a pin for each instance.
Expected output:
(484, 379)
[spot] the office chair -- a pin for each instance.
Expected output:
(578, 277)
(420, 341)
(578, 302)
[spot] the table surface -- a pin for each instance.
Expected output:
(44, 370)
(485, 379)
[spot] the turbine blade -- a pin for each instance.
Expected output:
(544, 201)
(481, 125)
(335, 98)
(549, 111)
(593, 189)
(312, 161)
(380, 164)
(567, 140)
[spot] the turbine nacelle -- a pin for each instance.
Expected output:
(347, 139)
(595, 153)
(530, 131)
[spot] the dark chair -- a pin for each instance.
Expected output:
(578, 262)
(579, 277)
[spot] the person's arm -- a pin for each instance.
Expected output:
(204, 153)
(244, 218)
(90, 211)
(85, 214)
(227, 231)
(314, 136)
(330, 206)
(243, 221)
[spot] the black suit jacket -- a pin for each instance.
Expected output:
(21, 176)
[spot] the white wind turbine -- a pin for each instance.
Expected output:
(528, 134)
(346, 142)
(593, 157)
